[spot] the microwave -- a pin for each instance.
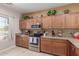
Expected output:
(35, 26)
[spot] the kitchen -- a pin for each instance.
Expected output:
(58, 33)
(55, 34)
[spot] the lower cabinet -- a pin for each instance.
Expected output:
(59, 47)
(77, 51)
(25, 42)
(54, 46)
(45, 45)
(22, 41)
(18, 40)
(72, 50)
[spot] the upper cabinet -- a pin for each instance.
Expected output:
(36, 20)
(26, 24)
(71, 20)
(47, 22)
(58, 21)
(23, 24)
(77, 19)
(29, 23)
(55, 21)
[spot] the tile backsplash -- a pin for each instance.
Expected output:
(69, 32)
(62, 32)
(57, 32)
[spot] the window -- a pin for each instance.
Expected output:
(3, 27)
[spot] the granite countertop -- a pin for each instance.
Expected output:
(74, 41)
(22, 35)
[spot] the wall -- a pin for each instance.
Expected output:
(13, 26)
(72, 7)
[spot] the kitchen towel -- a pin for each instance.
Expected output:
(30, 39)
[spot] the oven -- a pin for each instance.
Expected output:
(34, 40)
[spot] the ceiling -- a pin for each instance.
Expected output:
(31, 7)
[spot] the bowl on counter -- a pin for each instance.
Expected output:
(76, 35)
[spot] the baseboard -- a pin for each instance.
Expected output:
(7, 48)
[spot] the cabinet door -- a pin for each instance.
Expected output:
(39, 20)
(29, 23)
(48, 44)
(25, 42)
(59, 21)
(45, 45)
(18, 41)
(76, 51)
(71, 20)
(47, 22)
(72, 50)
(36, 20)
(59, 49)
(23, 24)
(77, 20)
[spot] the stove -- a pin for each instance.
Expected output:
(34, 41)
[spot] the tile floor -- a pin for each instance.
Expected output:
(18, 51)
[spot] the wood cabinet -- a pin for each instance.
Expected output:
(71, 20)
(23, 24)
(55, 46)
(18, 40)
(61, 21)
(26, 24)
(55, 21)
(58, 21)
(36, 20)
(77, 19)
(47, 22)
(25, 42)
(22, 41)
(45, 45)
(66, 21)
(77, 51)
(72, 50)
(29, 23)
(60, 47)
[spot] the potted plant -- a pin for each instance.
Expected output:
(51, 12)
(25, 17)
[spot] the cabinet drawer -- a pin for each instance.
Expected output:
(59, 40)
(77, 51)
(59, 44)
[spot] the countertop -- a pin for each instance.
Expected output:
(74, 41)
(22, 35)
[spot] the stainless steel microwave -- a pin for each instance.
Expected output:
(36, 26)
